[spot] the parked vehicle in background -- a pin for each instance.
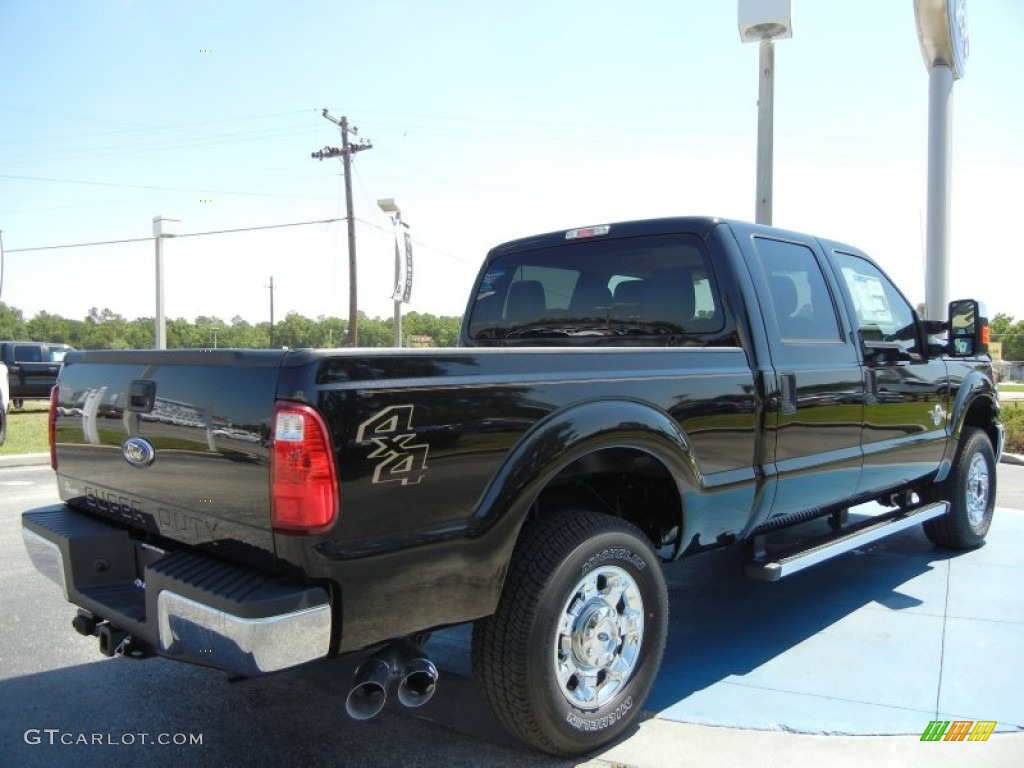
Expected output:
(5, 402)
(32, 368)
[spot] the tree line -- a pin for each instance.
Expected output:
(105, 329)
(1010, 333)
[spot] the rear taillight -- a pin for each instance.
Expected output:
(304, 484)
(52, 428)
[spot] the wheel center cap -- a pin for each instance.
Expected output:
(595, 635)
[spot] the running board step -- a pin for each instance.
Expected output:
(817, 550)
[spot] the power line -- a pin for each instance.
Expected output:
(267, 226)
(420, 243)
(133, 127)
(154, 188)
(187, 234)
(164, 145)
(78, 245)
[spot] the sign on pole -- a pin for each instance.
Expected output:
(403, 286)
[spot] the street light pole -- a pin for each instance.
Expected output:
(398, 273)
(388, 205)
(162, 227)
(765, 133)
(765, 21)
(945, 45)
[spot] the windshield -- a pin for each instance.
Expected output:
(653, 286)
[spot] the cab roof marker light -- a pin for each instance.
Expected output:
(577, 234)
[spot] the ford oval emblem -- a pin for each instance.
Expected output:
(138, 451)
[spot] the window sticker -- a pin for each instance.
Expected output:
(869, 296)
(487, 284)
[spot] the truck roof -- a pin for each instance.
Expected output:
(665, 225)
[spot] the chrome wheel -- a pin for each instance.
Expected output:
(570, 654)
(599, 636)
(977, 490)
(970, 489)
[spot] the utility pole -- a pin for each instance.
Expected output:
(271, 287)
(345, 153)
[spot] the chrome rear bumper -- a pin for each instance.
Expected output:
(184, 605)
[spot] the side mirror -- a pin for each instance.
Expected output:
(968, 328)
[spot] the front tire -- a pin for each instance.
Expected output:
(568, 658)
(970, 490)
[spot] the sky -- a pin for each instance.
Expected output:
(489, 121)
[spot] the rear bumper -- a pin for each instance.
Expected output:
(184, 605)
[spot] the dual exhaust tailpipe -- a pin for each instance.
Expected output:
(402, 662)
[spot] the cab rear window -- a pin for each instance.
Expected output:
(657, 287)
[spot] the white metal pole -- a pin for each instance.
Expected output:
(161, 325)
(940, 144)
(397, 221)
(765, 131)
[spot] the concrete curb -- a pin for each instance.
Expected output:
(1011, 458)
(25, 460)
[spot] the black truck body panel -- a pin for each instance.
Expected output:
(210, 424)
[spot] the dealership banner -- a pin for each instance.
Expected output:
(403, 288)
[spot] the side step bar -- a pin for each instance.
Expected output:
(810, 553)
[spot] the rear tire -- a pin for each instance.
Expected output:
(970, 490)
(568, 658)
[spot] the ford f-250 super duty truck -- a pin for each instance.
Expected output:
(623, 395)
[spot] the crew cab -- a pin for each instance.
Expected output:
(624, 395)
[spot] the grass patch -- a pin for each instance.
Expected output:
(1011, 387)
(1013, 420)
(26, 429)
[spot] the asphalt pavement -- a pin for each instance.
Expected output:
(846, 663)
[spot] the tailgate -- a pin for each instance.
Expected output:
(173, 442)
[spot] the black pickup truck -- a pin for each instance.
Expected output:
(32, 368)
(623, 395)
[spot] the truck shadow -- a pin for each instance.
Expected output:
(117, 712)
(723, 627)
(783, 636)
(837, 632)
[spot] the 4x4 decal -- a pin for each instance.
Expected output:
(392, 434)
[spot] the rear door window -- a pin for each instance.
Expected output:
(28, 353)
(802, 303)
